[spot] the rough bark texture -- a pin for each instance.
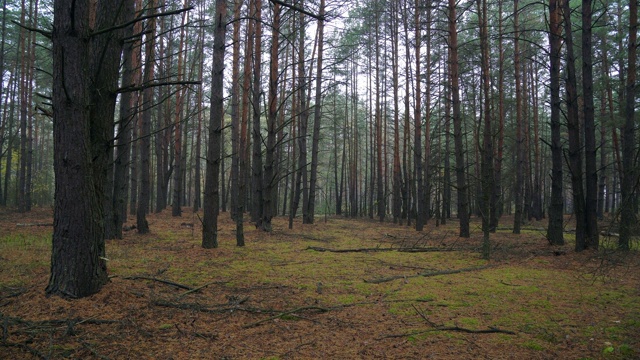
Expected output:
(270, 174)
(573, 127)
(417, 138)
(313, 179)
(145, 128)
(463, 200)
(556, 208)
(85, 72)
(519, 148)
(591, 172)
(211, 193)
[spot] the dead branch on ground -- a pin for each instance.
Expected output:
(425, 274)
(141, 277)
(33, 224)
(196, 289)
(377, 249)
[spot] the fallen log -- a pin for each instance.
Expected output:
(425, 274)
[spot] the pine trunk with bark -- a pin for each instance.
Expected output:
(629, 152)
(211, 192)
(556, 203)
(462, 188)
(573, 128)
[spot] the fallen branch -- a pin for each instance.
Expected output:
(289, 312)
(33, 224)
(216, 309)
(158, 280)
(424, 274)
(490, 330)
(377, 249)
(199, 288)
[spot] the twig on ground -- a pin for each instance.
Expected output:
(196, 289)
(33, 224)
(377, 249)
(139, 277)
(425, 274)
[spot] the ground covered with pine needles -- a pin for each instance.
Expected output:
(338, 289)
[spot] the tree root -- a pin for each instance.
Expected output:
(424, 274)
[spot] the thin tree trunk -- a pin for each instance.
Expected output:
(463, 201)
(591, 199)
(128, 102)
(573, 127)
(519, 149)
(313, 180)
(270, 175)
(145, 126)
(555, 228)
(629, 179)
(417, 139)
(487, 142)
(256, 163)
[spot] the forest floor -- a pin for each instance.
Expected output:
(402, 295)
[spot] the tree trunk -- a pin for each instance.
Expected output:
(145, 127)
(591, 199)
(573, 127)
(519, 148)
(270, 175)
(85, 72)
(178, 186)
(463, 201)
(128, 102)
(313, 180)
(417, 139)
(556, 208)
(497, 201)
(487, 141)
(397, 174)
(256, 163)
(629, 179)
(211, 193)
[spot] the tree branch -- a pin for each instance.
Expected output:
(424, 274)
(155, 84)
(295, 8)
(128, 23)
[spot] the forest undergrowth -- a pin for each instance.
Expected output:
(338, 289)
